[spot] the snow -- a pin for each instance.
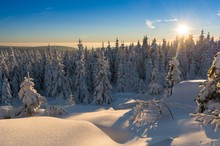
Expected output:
(98, 125)
(184, 95)
(45, 131)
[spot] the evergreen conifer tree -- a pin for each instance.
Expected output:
(155, 88)
(102, 84)
(81, 89)
(6, 92)
(209, 96)
(173, 76)
(30, 98)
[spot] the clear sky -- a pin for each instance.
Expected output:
(28, 21)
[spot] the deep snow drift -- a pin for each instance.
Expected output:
(111, 125)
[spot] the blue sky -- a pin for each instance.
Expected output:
(103, 20)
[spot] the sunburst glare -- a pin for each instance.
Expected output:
(183, 29)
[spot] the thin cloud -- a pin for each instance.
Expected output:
(218, 13)
(149, 24)
(159, 20)
(49, 8)
(170, 20)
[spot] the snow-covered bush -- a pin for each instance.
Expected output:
(71, 100)
(147, 114)
(7, 112)
(54, 111)
(212, 117)
(146, 111)
(30, 98)
(155, 88)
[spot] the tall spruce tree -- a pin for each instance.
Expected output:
(81, 89)
(209, 97)
(121, 79)
(155, 88)
(56, 83)
(102, 84)
(6, 92)
(173, 76)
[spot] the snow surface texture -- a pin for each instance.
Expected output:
(110, 125)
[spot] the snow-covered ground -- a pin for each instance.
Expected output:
(110, 125)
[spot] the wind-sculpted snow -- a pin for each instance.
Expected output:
(46, 131)
(110, 125)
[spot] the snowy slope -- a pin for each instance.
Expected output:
(110, 124)
(47, 131)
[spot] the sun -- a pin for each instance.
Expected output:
(183, 29)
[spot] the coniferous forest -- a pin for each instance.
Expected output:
(110, 73)
(91, 75)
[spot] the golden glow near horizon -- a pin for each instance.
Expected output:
(183, 29)
(67, 44)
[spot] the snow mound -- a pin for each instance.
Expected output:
(45, 131)
(184, 95)
(113, 122)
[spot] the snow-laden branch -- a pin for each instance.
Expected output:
(213, 118)
(152, 108)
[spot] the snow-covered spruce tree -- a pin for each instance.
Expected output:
(70, 68)
(207, 54)
(90, 71)
(30, 98)
(114, 62)
(190, 45)
(154, 50)
(173, 76)
(102, 84)
(183, 59)
(209, 97)
(131, 71)
(6, 92)
(56, 83)
(37, 68)
(141, 87)
(162, 66)
(192, 69)
(148, 70)
(11, 62)
(208, 100)
(3, 68)
(155, 88)
(142, 54)
(48, 76)
(60, 86)
(121, 79)
(13, 72)
(3, 72)
(81, 89)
